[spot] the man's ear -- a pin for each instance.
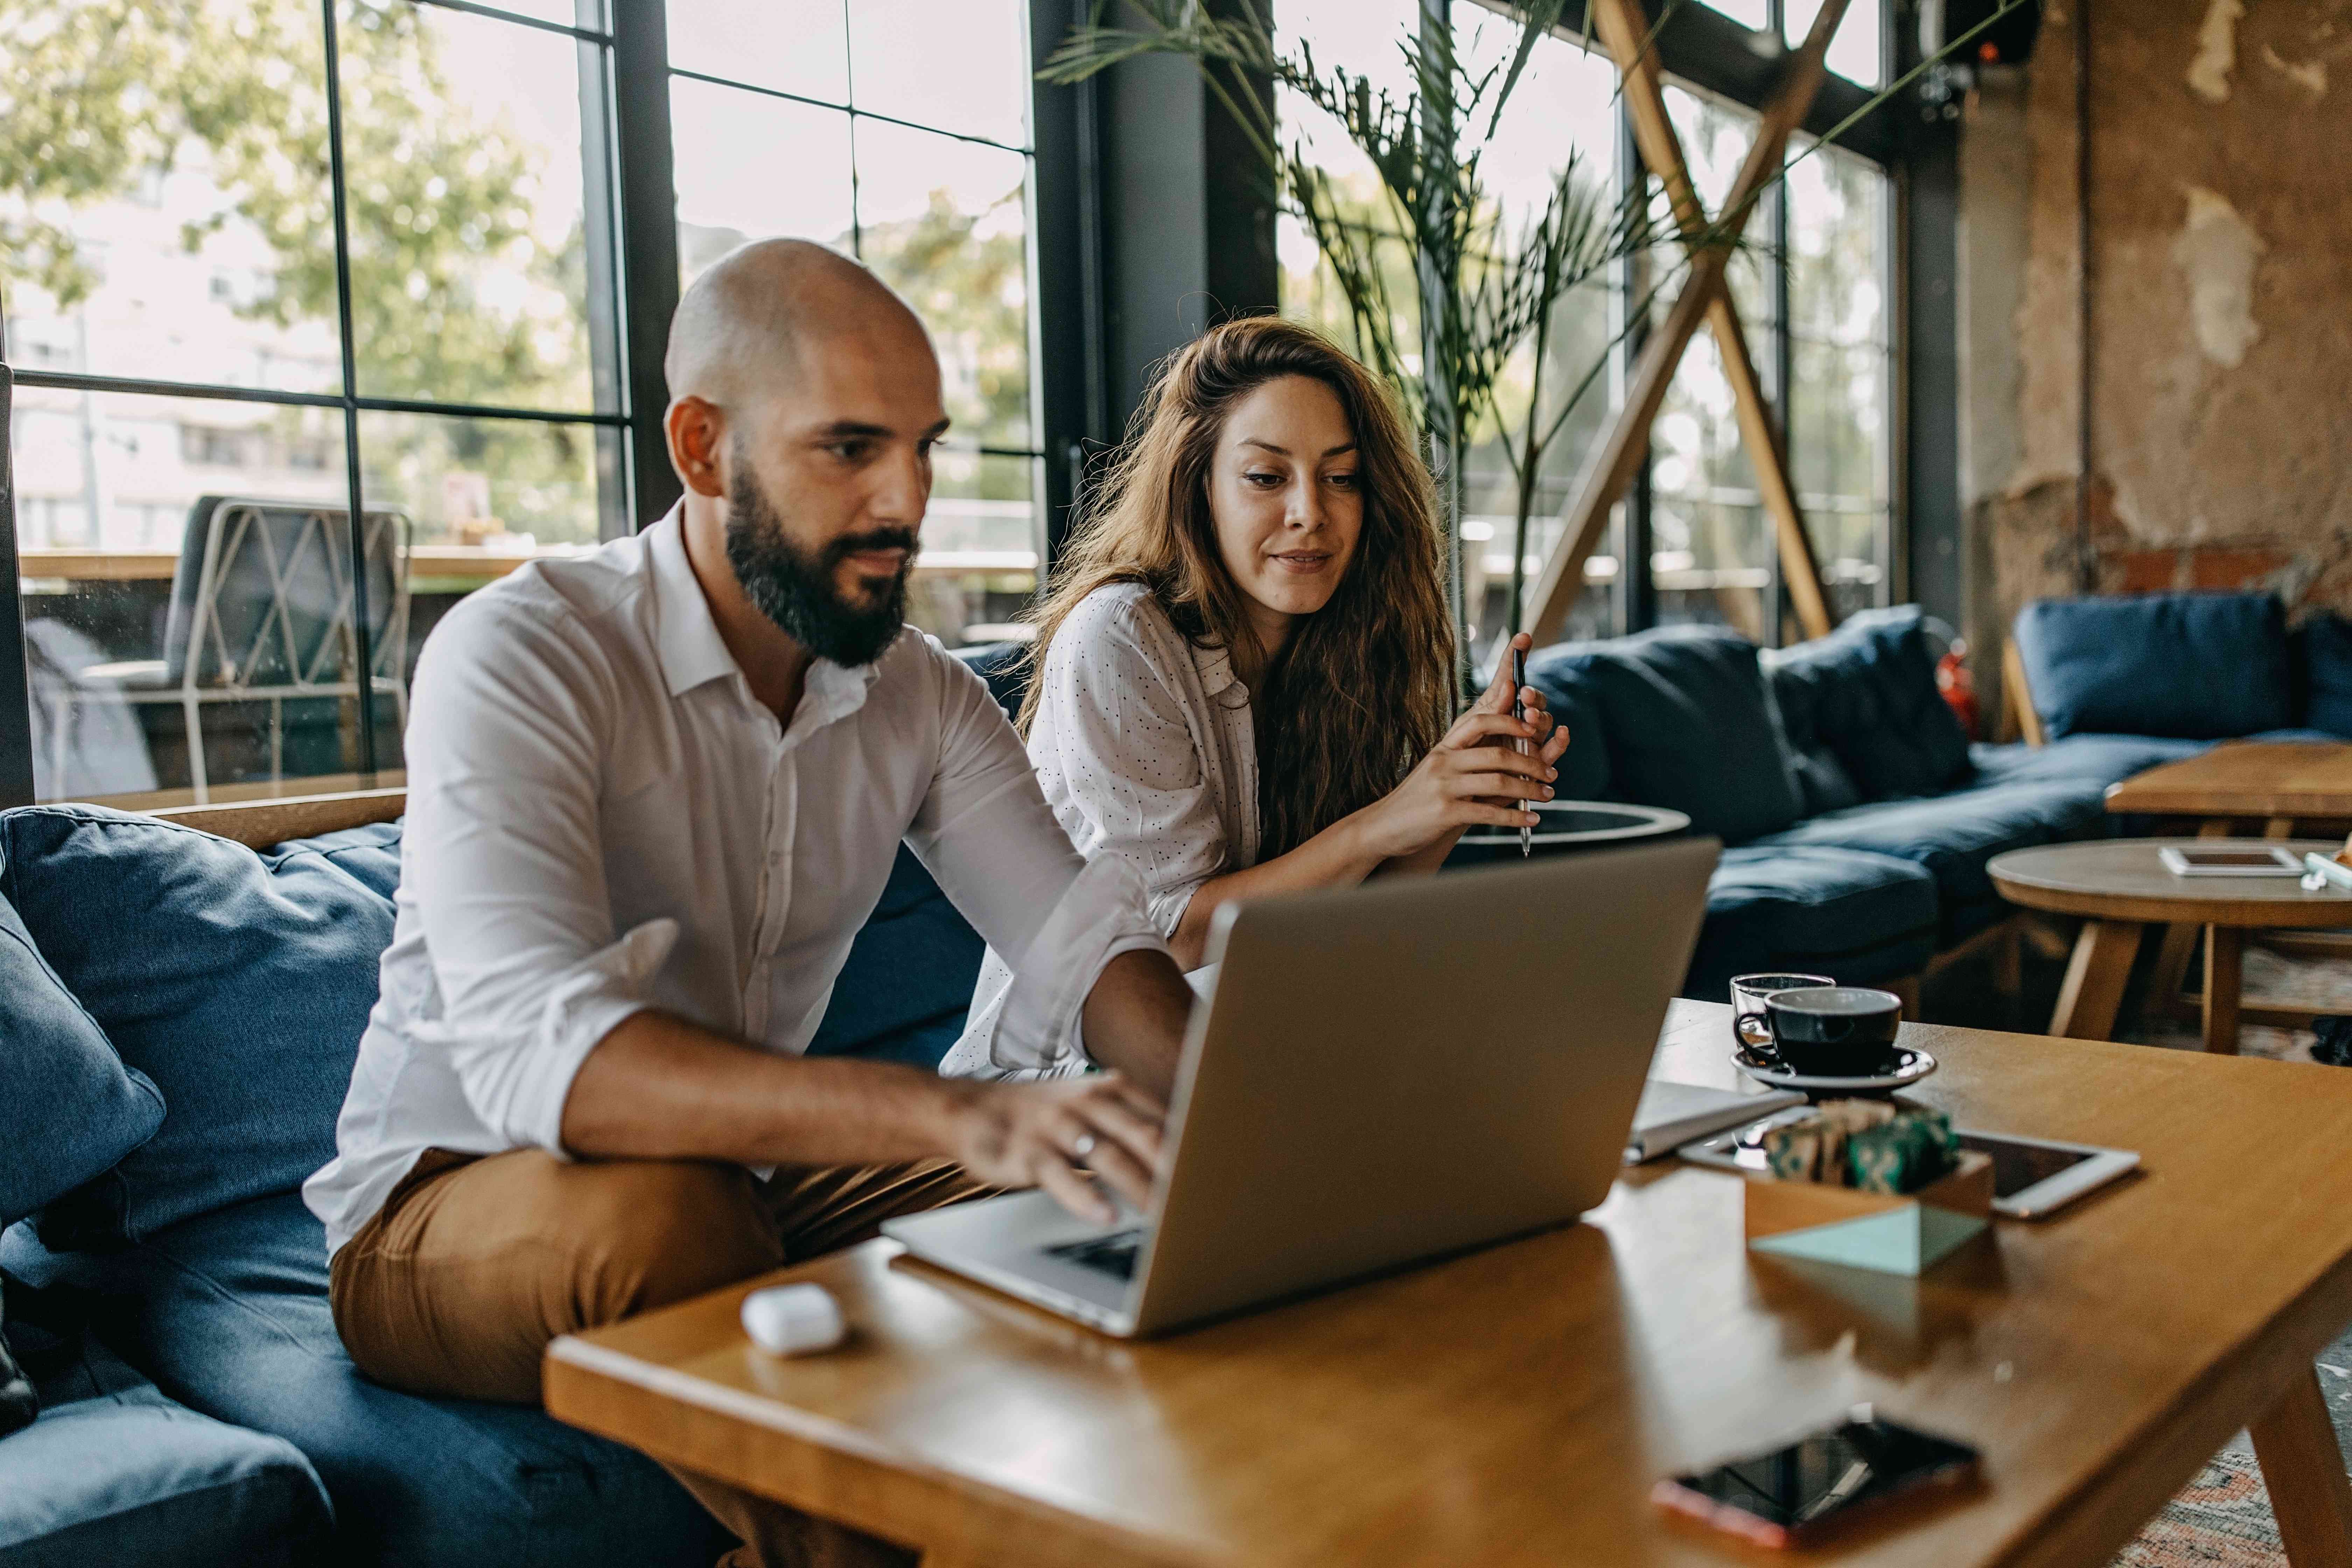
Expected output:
(697, 432)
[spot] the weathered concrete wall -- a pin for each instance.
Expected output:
(2221, 313)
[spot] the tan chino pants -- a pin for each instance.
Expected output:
(455, 1287)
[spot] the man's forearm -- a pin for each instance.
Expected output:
(1135, 1017)
(661, 1089)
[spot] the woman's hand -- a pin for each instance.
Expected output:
(1474, 774)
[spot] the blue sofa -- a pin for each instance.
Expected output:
(2174, 673)
(179, 1015)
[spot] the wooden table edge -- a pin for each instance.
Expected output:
(2238, 1392)
(843, 1475)
(2123, 800)
(2184, 910)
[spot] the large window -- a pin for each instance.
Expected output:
(265, 260)
(1811, 287)
(265, 257)
(909, 129)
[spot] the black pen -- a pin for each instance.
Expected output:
(1520, 711)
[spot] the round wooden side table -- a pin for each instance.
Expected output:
(2120, 887)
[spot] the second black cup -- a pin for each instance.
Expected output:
(1835, 1031)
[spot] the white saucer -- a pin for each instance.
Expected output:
(1916, 1065)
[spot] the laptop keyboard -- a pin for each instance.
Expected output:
(1113, 1254)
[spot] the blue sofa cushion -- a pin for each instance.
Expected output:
(1869, 692)
(1689, 725)
(2200, 666)
(906, 988)
(1823, 782)
(238, 983)
(1853, 916)
(2327, 676)
(1563, 674)
(71, 1109)
(2102, 759)
(228, 1313)
(1953, 836)
(114, 1473)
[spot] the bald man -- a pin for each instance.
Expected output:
(653, 792)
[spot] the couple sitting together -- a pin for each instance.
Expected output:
(655, 791)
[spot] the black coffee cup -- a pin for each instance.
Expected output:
(1835, 1031)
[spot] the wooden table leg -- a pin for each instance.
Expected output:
(2304, 1468)
(2225, 974)
(2093, 988)
(2171, 969)
(2279, 828)
(2180, 943)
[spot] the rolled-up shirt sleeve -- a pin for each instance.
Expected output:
(503, 853)
(1129, 758)
(988, 837)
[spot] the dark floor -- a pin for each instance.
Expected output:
(1965, 994)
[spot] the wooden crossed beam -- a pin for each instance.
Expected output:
(1624, 32)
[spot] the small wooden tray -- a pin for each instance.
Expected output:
(1892, 1233)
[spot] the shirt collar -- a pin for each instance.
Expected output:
(692, 652)
(685, 635)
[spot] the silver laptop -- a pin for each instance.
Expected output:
(1380, 1076)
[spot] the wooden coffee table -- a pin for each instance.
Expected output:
(2121, 887)
(2276, 783)
(1514, 1406)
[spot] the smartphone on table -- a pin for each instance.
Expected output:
(1789, 1495)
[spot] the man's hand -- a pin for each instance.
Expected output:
(1052, 1135)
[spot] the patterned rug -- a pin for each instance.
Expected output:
(2222, 1520)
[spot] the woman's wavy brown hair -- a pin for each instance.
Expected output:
(1362, 691)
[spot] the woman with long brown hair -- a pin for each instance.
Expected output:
(1241, 680)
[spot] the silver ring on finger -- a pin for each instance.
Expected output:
(1081, 1147)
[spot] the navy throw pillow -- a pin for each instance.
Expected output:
(2199, 666)
(2327, 675)
(1691, 727)
(1868, 691)
(1560, 674)
(1822, 783)
(71, 1109)
(238, 983)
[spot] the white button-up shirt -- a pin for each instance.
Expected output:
(603, 818)
(1146, 748)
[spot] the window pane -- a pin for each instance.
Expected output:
(107, 491)
(1711, 550)
(954, 65)
(469, 257)
(1715, 139)
(1853, 51)
(793, 46)
(1837, 426)
(500, 487)
(164, 210)
(1837, 238)
(944, 223)
(585, 14)
(750, 167)
(979, 564)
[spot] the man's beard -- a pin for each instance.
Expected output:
(796, 590)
